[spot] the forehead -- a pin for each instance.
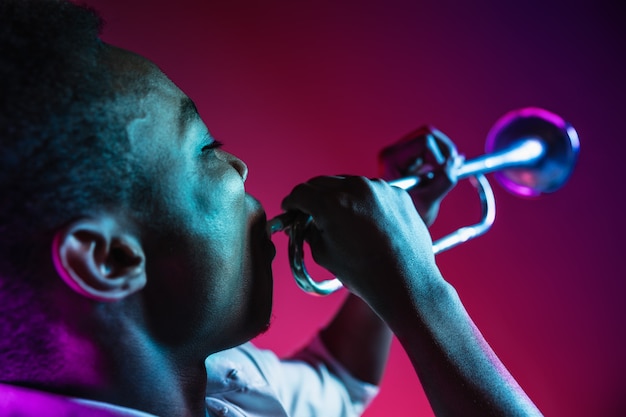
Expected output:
(141, 81)
(156, 106)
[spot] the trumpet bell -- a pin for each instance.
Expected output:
(560, 150)
(531, 151)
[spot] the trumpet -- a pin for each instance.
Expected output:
(531, 152)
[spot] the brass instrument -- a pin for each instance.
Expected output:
(531, 151)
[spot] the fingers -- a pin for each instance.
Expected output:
(362, 228)
(326, 196)
(304, 196)
(318, 193)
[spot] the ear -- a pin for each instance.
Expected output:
(99, 258)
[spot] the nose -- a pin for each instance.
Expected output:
(236, 163)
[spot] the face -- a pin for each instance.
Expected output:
(208, 256)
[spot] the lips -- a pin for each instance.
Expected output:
(259, 229)
(272, 249)
(268, 245)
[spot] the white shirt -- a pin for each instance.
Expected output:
(246, 381)
(243, 381)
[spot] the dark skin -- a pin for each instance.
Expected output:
(139, 310)
(448, 352)
(357, 337)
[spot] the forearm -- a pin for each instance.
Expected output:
(460, 373)
(375, 241)
(359, 340)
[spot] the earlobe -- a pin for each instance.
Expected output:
(98, 258)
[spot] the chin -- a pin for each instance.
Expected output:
(255, 325)
(262, 309)
(261, 296)
(260, 254)
(254, 316)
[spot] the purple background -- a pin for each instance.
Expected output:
(297, 89)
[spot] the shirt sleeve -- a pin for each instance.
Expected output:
(255, 382)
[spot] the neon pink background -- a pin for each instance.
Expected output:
(298, 89)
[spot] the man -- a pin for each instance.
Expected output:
(129, 250)
(340, 368)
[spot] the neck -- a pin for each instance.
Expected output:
(152, 379)
(126, 368)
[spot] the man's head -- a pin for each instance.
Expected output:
(64, 149)
(106, 164)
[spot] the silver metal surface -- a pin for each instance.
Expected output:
(532, 151)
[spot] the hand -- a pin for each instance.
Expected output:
(364, 231)
(428, 154)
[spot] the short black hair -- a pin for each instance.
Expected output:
(63, 150)
(64, 153)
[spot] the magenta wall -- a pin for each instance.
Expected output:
(298, 89)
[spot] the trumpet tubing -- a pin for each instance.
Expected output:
(531, 151)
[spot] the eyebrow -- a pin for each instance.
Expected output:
(186, 112)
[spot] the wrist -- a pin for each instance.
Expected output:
(417, 304)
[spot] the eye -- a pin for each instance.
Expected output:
(212, 146)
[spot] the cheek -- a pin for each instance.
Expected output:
(219, 191)
(221, 210)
